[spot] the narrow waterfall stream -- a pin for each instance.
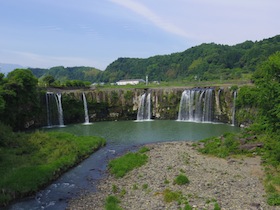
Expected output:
(60, 110)
(86, 110)
(54, 109)
(144, 110)
(233, 107)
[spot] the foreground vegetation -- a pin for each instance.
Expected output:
(30, 161)
(122, 165)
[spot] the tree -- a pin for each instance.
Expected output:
(267, 80)
(48, 79)
(21, 97)
(2, 102)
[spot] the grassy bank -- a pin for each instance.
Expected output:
(30, 161)
(122, 165)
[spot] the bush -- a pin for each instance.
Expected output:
(6, 136)
(112, 203)
(181, 180)
(217, 207)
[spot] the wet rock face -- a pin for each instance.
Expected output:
(123, 104)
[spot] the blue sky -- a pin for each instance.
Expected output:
(47, 33)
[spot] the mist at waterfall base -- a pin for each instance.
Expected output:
(121, 136)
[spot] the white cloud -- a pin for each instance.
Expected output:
(226, 22)
(157, 20)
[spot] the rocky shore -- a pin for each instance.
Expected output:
(231, 183)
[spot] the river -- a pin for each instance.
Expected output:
(121, 136)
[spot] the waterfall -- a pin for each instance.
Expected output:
(184, 105)
(49, 121)
(196, 105)
(86, 110)
(144, 109)
(208, 106)
(54, 109)
(233, 107)
(59, 109)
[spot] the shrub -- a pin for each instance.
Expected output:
(217, 207)
(181, 180)
(112, 203)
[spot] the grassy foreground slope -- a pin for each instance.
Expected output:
(30, 161)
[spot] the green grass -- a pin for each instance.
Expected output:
(181, 83)
(122, 165)
(181, 180)
(112, 203)
(34, 160)
(221, 147)
(217, 207)
(170, 196)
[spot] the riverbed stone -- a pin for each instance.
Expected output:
(234, 184)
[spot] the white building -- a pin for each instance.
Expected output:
(130, 82)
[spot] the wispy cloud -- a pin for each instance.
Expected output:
(51, 28)
(157, 20)
(46, 61)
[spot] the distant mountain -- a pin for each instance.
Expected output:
(69, 73)
(6, 68)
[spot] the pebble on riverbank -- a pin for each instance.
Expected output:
(233, 184)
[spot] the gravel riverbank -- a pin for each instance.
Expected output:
(232, 183)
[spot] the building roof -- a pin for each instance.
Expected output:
(130, 80)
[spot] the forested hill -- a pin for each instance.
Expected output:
(204, 62)
(69, 73)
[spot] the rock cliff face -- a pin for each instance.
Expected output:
(123, 104)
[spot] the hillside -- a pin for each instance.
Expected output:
(203, 62)
(69, 73)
